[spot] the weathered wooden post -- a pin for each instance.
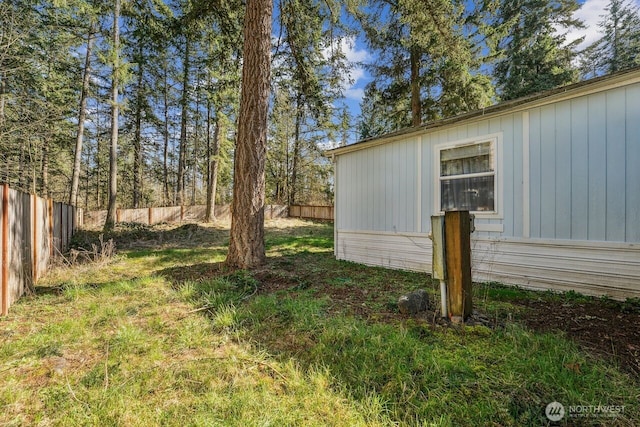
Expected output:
(34, 241)
(458, 263)
(5, 250)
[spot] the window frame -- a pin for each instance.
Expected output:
(496, 145)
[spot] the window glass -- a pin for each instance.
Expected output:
(467, 178)
(473, 194)
(475, 158)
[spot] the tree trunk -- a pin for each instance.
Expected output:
(3, 76)
(44, 183)
(615, 46)
(23, 174)
(137, 136)
(194, 171)
(165, 154)
(110, 221)
(87, 183)
(213, 150)
(416, 102)
(75, 178)
(246, 244)
(296, 151)
(182, 156)
(98, 162)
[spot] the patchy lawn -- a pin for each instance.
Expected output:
(165, 334)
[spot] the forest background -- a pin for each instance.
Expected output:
(169, 71)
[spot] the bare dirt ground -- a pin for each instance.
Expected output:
(608, 329)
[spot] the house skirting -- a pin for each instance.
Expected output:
(587, 267)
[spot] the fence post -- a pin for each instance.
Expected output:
(4, 291)
(62, 225)
(150, 216)
(34, 241)
(458, 263)
(5, 249)
(50, 210)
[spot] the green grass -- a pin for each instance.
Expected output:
(466, 376)
(166, 337)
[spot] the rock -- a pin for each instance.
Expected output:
(413, 303)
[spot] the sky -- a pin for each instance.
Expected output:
(356, 52)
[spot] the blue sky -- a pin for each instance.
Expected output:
(356, 51)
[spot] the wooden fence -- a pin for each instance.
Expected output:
(172, 214)
(33, 230)
(312, 212)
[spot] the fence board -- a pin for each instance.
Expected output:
(19, 261)
(95, 218)
(276, 211)
(222, 212)
(57, 228)
(167, 214)
(133, 215)
(31, 226)
(4, 237)
(41, 238)
(311, 212)
(172, 214)
(194, 213)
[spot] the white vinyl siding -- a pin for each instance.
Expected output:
(584, 179)
(377, 188)
(566, 211)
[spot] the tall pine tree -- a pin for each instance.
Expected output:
(619, 46)
(427, 66)
(246, 242)
(529, 36)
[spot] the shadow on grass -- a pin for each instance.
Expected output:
(158, 258)
(161, 236)
(195, 273)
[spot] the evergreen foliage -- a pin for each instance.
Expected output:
(428, 64)
(618, 48)
(529, 38)
(179, 70)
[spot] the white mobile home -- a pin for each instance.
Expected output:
(553, 181)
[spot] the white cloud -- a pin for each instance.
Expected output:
(590, 13)
(356, 73)
(353, 54)
(352, 79)
(354, 93)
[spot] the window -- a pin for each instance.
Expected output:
(467, 176)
